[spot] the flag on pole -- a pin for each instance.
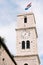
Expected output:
(28, 6)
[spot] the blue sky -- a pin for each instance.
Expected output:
(9, 9)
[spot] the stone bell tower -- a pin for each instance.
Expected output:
(26, 40)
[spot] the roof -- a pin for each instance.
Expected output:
(23, 14)
(6, 49)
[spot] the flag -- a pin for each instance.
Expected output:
(28, 6)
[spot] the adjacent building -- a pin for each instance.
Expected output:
(5, 56)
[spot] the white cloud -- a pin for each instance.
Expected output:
(9, 34)
(1, 1)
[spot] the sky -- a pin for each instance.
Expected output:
(9, 9)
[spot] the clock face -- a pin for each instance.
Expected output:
(25, 34)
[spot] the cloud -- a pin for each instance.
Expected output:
(9, 34)
(1, 1)
(41, 59)
(7, 12)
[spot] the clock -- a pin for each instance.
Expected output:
(25, 34)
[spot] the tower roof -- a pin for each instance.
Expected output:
(23, 14)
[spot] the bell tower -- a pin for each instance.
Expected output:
(26, 39)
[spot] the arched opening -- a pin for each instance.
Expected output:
(27, 44)
(25, 20)
(25, 64)
(23, 44)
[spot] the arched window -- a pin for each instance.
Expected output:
(27, 44)
(25, 20)
(25, 64)
(23, 44)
